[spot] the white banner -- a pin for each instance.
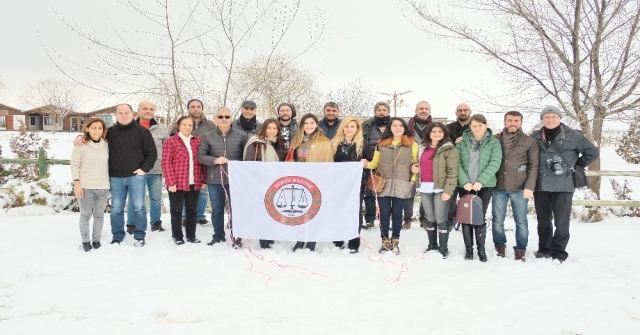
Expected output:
(295, 201)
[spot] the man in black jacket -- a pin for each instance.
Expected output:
(562, 150)
(456, 128)
(132, 153)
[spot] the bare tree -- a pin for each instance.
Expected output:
(273, 80)
(581, 55)
(56, 99)
(355, 98)
(173, 46)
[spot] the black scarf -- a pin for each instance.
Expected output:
(548, 135)
(382, 121)
(248, 124)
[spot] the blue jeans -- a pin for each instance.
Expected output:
(499, 212)
(390, 208)
(154, 185)
(202, 205)
(134, 187)
(435, 209)
(218, 194)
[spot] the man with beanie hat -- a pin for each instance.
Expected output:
(288, 123)
(562, 149)
(372, 129)
(247, 121)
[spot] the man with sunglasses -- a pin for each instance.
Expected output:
(218, 147)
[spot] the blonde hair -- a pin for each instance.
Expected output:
(297, 140)
(358, 139)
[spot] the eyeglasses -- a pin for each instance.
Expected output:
(463, 110)
(223, 117)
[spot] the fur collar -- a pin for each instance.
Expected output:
(407, 141)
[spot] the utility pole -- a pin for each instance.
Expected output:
(395, 97)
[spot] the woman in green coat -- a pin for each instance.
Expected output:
(480, 158)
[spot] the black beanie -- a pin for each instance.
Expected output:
(293, 109)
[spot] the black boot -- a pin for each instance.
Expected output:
(298, 245)
(131, 228)
(432, 234)
(86, 246)
(96, 245)
(264, 244)
(311, 246)
(467, 236)
(339, 244)
(481, 234)
(443, 236)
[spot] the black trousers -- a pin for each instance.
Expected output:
(190, 200)
(453, 205)
(556, 206)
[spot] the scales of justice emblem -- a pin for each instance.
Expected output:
(293, 200)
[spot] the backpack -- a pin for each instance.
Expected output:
(470, 210)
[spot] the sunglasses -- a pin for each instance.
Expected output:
(223, 117)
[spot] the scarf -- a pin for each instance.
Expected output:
(247, 124)
(267, 150)
(414, 120)
(382, 121)
(475, 144)
(508, 139)
(548, 135)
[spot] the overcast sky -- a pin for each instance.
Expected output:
(371, 39)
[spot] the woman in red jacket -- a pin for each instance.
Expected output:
(184, 177)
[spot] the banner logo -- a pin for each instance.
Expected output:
(293, 200)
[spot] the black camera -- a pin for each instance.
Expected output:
(555, 163)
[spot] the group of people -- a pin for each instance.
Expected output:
(437, 161)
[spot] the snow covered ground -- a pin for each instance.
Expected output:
(48, 285)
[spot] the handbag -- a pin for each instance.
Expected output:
(579, 177)
(376, 182)
(469, 210)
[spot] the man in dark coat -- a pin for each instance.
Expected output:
(456, 128)
(561, 149)
(330, 122)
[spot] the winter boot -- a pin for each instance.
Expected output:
(395, 244)
(157, 226)
(237, 243)
(86, 246)
(96, 245)
(407, 223)
(540, 254)
(264, 244)
(467, 236)
(339, 244)
(501, 251)
(423, 223)
(432, 234)
(443, 236)
(520, 255)
(131, 228)
(481, 232)
(298, 245)
(386, 245)
(311, 246)
(368, 225)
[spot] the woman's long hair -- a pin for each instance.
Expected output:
(358, 139)
(314, 137)
(387, 131)
(426, 137)
(85, 128)
(262, 132)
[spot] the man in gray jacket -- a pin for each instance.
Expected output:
(247, 121)
(561, 149)
(159, 132)
(218, 147)
(516, 181)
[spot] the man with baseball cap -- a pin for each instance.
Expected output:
(247, 121)
(562, 150)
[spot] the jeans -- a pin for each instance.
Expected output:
(390, 208)
(203, 198)
(133, 187)
(435, 209)
(556, 205)
(408, 207)
(369, 206)
(179, 201)
(499, 211)
(154, 185)
(92, 203)
(218, 193)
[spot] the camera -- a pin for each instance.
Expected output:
(555, 163)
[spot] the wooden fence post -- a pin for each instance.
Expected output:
(42, 164)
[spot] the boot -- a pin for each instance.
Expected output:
(298, 245)
(501, 251)
(311, 246)
(395, 244)
(157, 226)
(339, 244)
(432, 235)
(386, 245)
(423, 223)
(96, 245)
(86, 246)
(264, 244)
(520, 255)
(368, 225)
(481, 233)
(406, 224)
(443, 236)
(467, 236)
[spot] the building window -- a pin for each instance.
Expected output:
(48, 121)
(32, 120)
(2, 122)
